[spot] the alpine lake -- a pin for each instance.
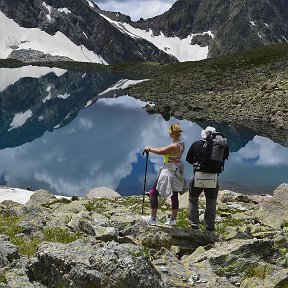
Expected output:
(69, 132)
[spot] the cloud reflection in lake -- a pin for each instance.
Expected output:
(102, 147)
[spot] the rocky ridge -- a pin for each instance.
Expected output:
(103, 242)
(224, 27)
(81, 22)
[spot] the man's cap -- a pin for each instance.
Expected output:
(204, 133)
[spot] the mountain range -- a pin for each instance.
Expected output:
(57, 30)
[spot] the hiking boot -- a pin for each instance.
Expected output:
(210, 228)
(171, 222)
(193, 225)
(149, 220)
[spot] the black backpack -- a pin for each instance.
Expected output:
(214, 153)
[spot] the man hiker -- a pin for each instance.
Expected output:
(207, 157)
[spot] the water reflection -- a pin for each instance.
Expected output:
(44, 99)
(102, 147)
(52, 137)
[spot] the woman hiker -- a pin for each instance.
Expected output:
(170, 178)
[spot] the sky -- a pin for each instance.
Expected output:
(136, 8)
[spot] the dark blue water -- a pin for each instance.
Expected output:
(60, 134)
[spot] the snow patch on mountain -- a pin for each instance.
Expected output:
(180, 48)
(121, 85)
(64, 10)
(14, 37)
(49, 8)
(20, 119)
(65, 96)
(90, 4)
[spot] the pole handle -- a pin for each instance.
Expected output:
(147, 153)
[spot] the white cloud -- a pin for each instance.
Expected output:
(262, 151)
(73, 160)
(85, 123)
(136, 9)
(102, 163)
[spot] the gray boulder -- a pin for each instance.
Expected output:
(273, 210)
(102, 192)
(88, 264)
(241, 260)
(8, 251)
(40, 198)
(230, 196)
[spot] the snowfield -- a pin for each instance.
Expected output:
(14, 37)
(18, 195)
(180, 48)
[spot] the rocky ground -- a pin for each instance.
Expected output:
(103, 242)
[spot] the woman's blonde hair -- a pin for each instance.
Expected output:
(175, 129)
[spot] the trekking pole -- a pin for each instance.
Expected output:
(147, 156)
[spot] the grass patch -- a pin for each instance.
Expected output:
(9, 225)
(228, 222)
(27, 247)
(60, 235)
(183, 218)
(153, 254)
(97, 206)
(284, 224)
(258, 272)
(3, 279)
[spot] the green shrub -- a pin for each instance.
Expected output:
(153, 254)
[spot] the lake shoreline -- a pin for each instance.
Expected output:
(255, 98)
